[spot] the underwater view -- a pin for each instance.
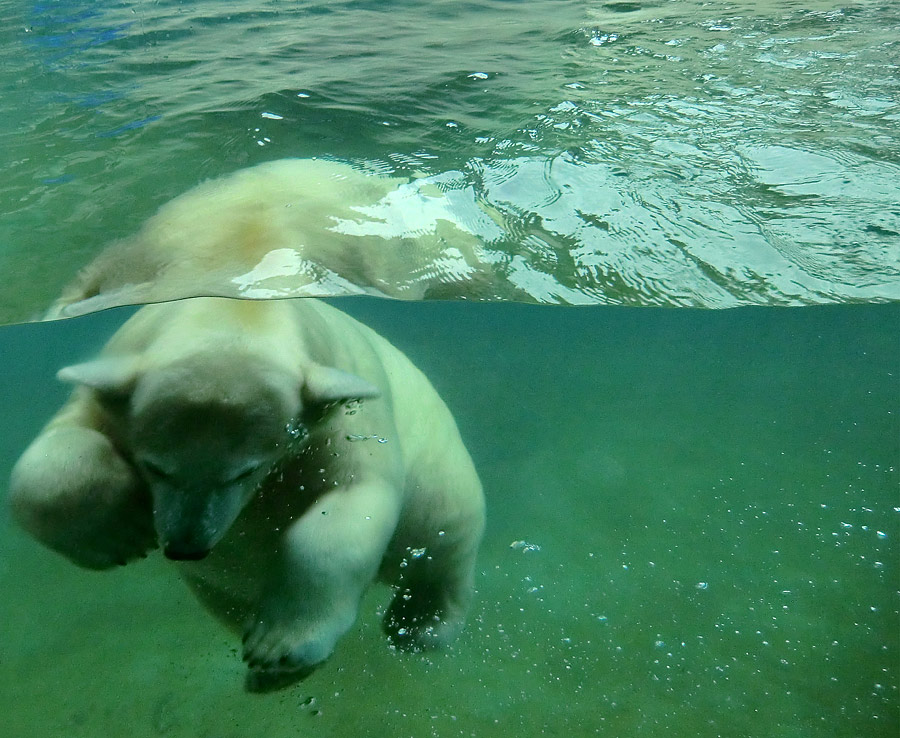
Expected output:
(692, 527)
(692, 513)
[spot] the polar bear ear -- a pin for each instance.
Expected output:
(324, 384)
(112, 375)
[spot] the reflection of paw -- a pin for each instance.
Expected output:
(279, 656)
(416, 621)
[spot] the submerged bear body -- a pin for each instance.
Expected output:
(284, 454)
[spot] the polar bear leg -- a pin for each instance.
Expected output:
(73, 492)
(433, 594)
(329, 557)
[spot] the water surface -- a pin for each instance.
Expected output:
(664, 153)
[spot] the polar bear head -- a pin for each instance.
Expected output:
(204, 430)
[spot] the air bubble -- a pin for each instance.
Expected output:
(353, 437)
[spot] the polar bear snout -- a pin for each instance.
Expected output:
(185, 544)
(189, 523)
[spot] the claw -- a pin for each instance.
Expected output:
(261, 681)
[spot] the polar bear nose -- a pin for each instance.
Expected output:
(180, 553)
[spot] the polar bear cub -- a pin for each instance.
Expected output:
(284, 454)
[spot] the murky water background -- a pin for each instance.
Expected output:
(693, 515)
(693, 527)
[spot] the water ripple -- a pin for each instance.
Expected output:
(635, 153)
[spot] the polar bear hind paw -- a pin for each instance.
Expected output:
(418, 621)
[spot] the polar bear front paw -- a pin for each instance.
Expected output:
(73, 492)
(270, 679)
(278, 657)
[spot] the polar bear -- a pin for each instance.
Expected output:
(285, 455)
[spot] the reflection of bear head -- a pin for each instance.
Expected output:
(204, 430)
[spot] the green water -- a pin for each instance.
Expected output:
(694, 515)
(714, 495)
(662, 152)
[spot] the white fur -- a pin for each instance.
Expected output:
(295, 228)
(294, 448)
